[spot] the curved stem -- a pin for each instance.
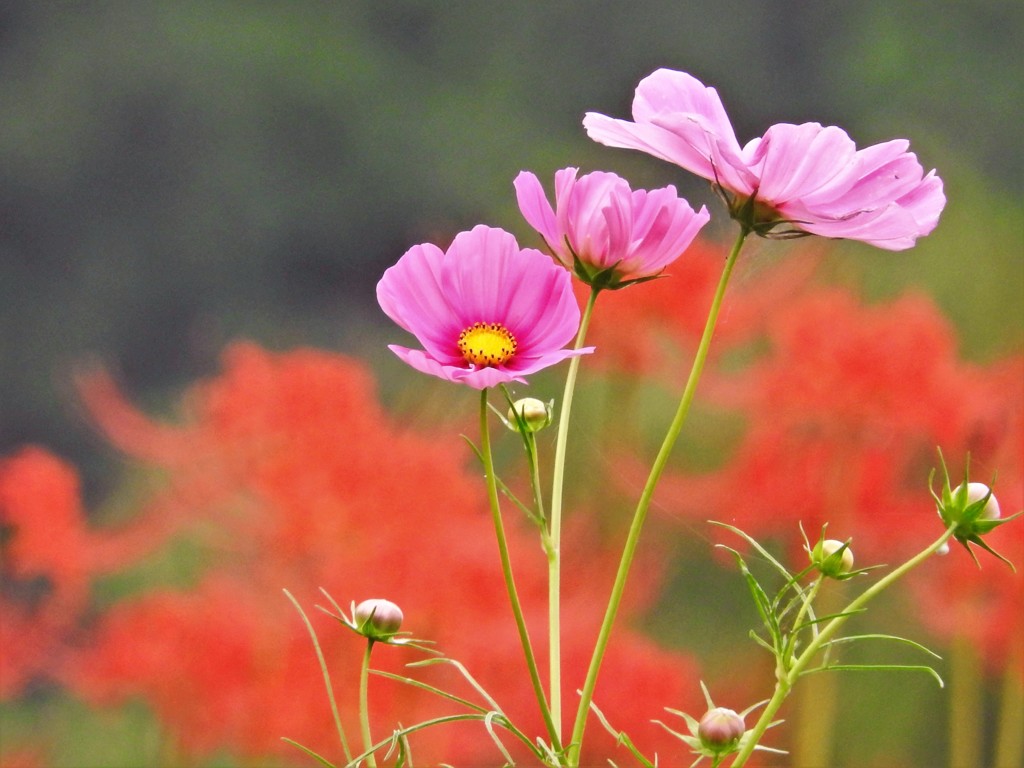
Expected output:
(644, 503)
(364, 709)
(326, 675)
(788, 680)
(554, 536)
(506, 570)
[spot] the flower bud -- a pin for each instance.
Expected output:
(720, 730)
(969, 511)
(377, 619)
(535, 414)
(830, 561)
(975, 493)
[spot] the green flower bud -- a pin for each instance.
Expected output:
(536, 414)
(975, 493)
(377, 619)
(720, 730)
(972, 508)
(830, 561)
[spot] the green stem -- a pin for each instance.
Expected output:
(965, 704)
(326, 675)
(1010, 736)
(506, 570)
(364, 709)
(805, 607)
(815, 705)
(538, 494)
(554, 538)
(644, 503)
(786, 680)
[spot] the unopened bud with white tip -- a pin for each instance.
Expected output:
(534, 414)
(378, 619)
(828, 559)
(975, 493)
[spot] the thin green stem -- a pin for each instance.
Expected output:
(326, 675)
(1009, 735)
(554, 537)
(805, 607)
(644, 503)
(506, 570)
(364, 709)
(965, 703)
(787, 679)
(538, 494)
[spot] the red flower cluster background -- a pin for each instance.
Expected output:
(286, 471)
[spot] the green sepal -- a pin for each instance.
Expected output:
(975, 539)
(604, 279)
(754, 216)
(965, 519)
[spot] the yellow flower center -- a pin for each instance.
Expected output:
(487, 344)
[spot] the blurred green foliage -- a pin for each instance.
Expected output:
(173, 175)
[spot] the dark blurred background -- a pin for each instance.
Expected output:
(174, 175)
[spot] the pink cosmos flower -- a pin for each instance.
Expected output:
(611, 235)
(485, 311)
(807, 176)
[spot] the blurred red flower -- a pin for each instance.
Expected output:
(844, 412)
(291, 474)
(45, 568)
(651, 329)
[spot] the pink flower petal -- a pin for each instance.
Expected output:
(478, 378)
(808, 175)
(690, 151)
(483, 277)
(411, 294)
(667, 91)
(536, 209)
(606, 224)
(797, 161)
(925, 202)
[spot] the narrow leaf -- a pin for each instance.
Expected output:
(401, 733)
(464, 672)
(829, 617)
(322, 760)
(427, 687)
(323, 671)
(879, 668)
(620, 737)
(489, 725)
(764, 607)
(753, 542)
(896, 638)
